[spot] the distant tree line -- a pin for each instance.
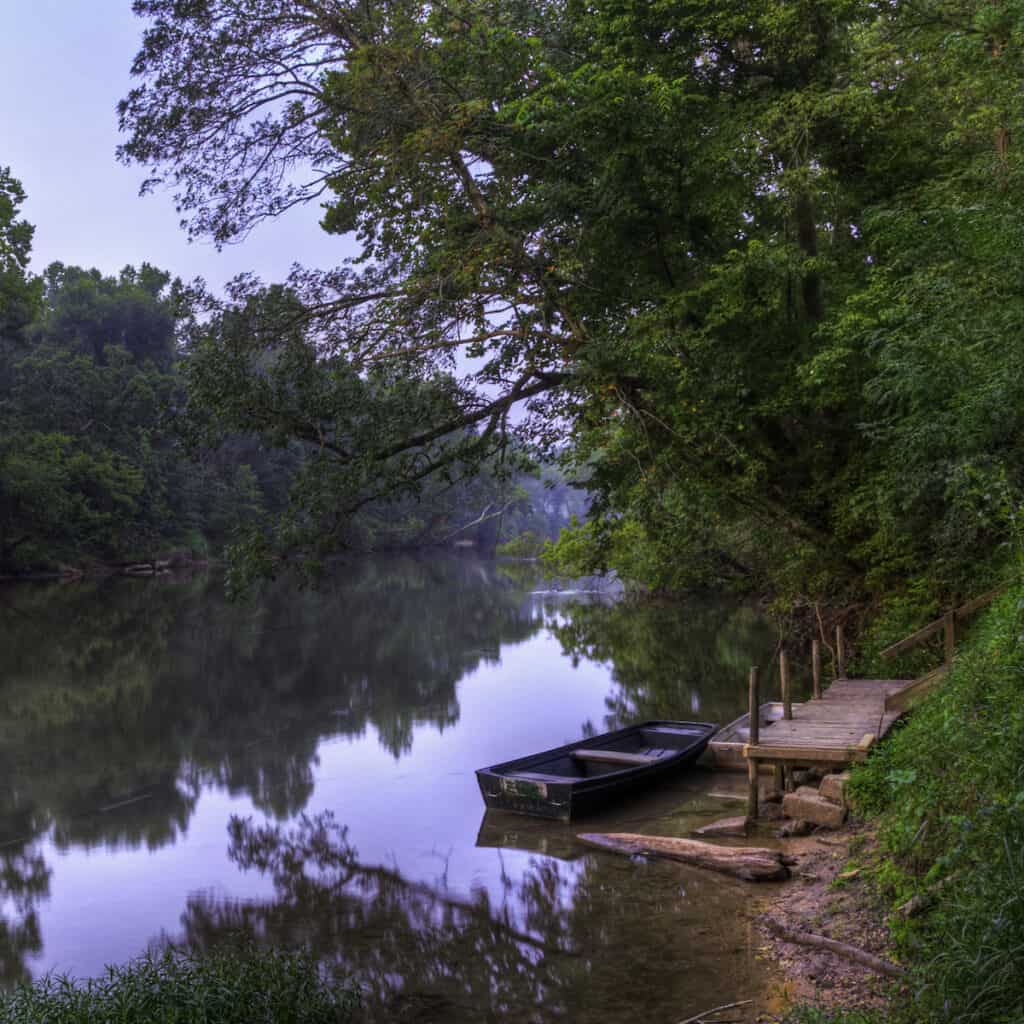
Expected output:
(107, 453)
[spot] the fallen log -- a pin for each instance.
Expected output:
(751, 863)
(854, 953)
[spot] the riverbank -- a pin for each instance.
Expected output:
(827, 896)
(931, 871)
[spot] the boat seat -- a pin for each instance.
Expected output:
(614, 756)
(538, 777)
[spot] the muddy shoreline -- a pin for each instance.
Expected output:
(829, 897)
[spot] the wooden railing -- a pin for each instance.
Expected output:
(947, 625)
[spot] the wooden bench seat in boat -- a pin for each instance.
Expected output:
(614, 756)
(536, 777)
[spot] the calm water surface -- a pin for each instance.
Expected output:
(178, 770)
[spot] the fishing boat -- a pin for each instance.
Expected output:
(582, 777)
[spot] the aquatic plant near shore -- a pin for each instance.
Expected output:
(242, 985)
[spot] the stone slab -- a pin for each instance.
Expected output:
(833, 787)
(807, 804)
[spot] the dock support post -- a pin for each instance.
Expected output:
(949, 635)
(816, 667)
(754, 707)
(787, 703)
(840, 653)
(781, 772)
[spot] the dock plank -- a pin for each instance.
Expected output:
(839, 728)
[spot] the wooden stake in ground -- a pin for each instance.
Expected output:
(751, 863)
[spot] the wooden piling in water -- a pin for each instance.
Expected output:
(754, 707)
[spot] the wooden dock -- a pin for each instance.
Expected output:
(839, 728)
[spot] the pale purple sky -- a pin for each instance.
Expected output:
(64, 64)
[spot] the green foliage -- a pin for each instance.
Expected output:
(87, 313)
(949, 788)
(130, 425)
(90, 466)
(19, 293)
(525, 545)
(242, 986)
(759, 259)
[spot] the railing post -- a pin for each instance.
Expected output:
(949, 631)
(816, 666)
(754, 707)
(787, 704)
(840, 653)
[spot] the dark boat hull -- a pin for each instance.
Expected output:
(581, 778)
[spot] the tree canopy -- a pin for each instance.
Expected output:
(757, 259)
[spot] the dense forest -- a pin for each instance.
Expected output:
(101, 458)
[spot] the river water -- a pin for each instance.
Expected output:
(299, 768)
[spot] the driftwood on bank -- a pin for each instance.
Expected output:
(860, 956)
(751, 863)
(698, 1017)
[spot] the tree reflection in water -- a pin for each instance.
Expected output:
(24, 883)
(671, 661)
(123, 701)
(580, 941)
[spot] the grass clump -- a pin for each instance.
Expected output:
(235, 986)
(817, 1015)
(948, 791)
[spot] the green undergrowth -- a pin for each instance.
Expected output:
(239, 986)
(947, 792)
(817, 1015)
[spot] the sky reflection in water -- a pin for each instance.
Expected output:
(301, 768)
